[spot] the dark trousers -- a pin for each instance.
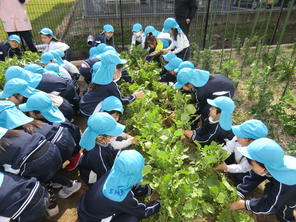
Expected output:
(116, 218)
(184, 54)
(27, 36)
(68, 55)
(182, 23)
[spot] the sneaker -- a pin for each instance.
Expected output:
(66, 192)
(52, 208)
(74, 162)
(56, 185)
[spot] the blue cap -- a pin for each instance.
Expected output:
(42, 102)
(35, 68)
(183, 65)
(17, 86)
(2, 132)
(57, 55)
(151, 29)
(96, 66)
(227, 107)
(53, 67)
(48, 31)
(17, 72)
(173, 64)
(14, 38)
(110, 48)
(196, 77)
(106, 68)
(251, 129)
(99, 123)
(101, 48)
(111, 103)
(266, 151)
(93, 52)
(169, 56)
(137, 27)
(171, 23)
(11, 117)
(108, 28)
(125, 173)
(46, 58)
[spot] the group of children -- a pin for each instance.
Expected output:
(38, 136)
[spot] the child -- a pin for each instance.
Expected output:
(180, 44)
(138, 37)
(46, 83)
(217, 127)
(114, 107)
(111, 198)
(16, 89)
(96, 140)
(103, 85)
(106, 36)
(25, 154)
(156, 47)
(205, 86)
(59, 131)
(22, 199)
(53, 43)
(268, 162)
(11, 48)
(48, 58)
(245, 134)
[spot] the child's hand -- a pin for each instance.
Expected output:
(165, 51)
(188, 133)
(222, 166)
(138, 94)
(238, 205)
(157, 52)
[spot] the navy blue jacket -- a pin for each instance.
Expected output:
(67, 109)
(91, 99)
(7, 51)
(94, 206)
(100, 159)
(276, 195)
(20, 152)
(19, 195)
(101, 38)
(185, 8)
(65, 87)
(209, 132)
(219, 86)
(65, 136)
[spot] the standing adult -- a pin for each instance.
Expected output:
(16, 21)
(184, 13)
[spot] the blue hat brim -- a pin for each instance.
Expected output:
(244, 151)
(237, 131)
(4, 94)
(88, 139)
(286, 173)
(166, 30)
(178, 85)
(169, 67)
(54, 115)
(24, 108)
(116, 131)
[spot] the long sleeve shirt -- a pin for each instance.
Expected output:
(241, 165)
(181, 43)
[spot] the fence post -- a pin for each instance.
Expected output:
(207, 23)
(121, 26)
(277, 23)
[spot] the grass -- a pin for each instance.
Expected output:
(44, 13)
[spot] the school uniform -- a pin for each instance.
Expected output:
(94, 206)
(65, 136)
(31, 156)
(138, 40)
(219, 86)
(64, 106)
(211, 131)
(180, 46)
(278, 198)
(91, 99)
(64, 87)
(101, 38)
(7, 51)
(21, 199)
(96, 162)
